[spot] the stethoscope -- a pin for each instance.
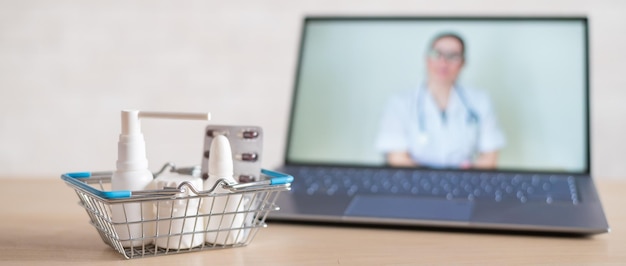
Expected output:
(472, 116)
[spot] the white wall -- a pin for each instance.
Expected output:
(68, 67)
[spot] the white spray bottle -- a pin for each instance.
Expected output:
(225, 220)
(132, 174)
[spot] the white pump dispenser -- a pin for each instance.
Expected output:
(132, 174)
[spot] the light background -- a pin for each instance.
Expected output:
(534, 71)
(68, 67)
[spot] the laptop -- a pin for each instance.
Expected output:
(513, 153)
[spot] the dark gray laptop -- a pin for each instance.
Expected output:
(462, 122)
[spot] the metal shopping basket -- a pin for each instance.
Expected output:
(196, 230)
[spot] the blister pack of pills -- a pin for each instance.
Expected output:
(246, 144)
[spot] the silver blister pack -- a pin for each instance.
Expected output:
(246, 143)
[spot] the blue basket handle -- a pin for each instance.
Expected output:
(277, 178)
(75, 179)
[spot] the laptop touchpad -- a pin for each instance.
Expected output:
(409, 208)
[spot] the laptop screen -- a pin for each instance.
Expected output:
(447, 93)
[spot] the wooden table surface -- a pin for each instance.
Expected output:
(43, 224)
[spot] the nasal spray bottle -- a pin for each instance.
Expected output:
(132, 174)
(225, 221)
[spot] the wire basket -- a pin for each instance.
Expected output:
(177, 219)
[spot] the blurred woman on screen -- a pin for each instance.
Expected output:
(441, 124)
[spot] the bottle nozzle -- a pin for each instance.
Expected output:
(131, 125)
(170, 115)
(130, 122)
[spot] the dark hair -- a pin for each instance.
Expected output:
(448, 35)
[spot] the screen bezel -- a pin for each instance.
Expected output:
(307, 19)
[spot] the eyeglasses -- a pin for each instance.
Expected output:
(449, 57)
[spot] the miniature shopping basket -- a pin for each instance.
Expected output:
(194, 230)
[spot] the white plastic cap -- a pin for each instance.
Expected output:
(220, 158)
(131, 148)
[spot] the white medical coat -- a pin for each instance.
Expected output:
(446, 138)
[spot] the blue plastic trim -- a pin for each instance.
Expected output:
(74, 179)
(80, 174)
(277, 178)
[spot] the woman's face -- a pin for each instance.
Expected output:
(445, 60)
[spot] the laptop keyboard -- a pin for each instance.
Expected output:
(472, 186)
